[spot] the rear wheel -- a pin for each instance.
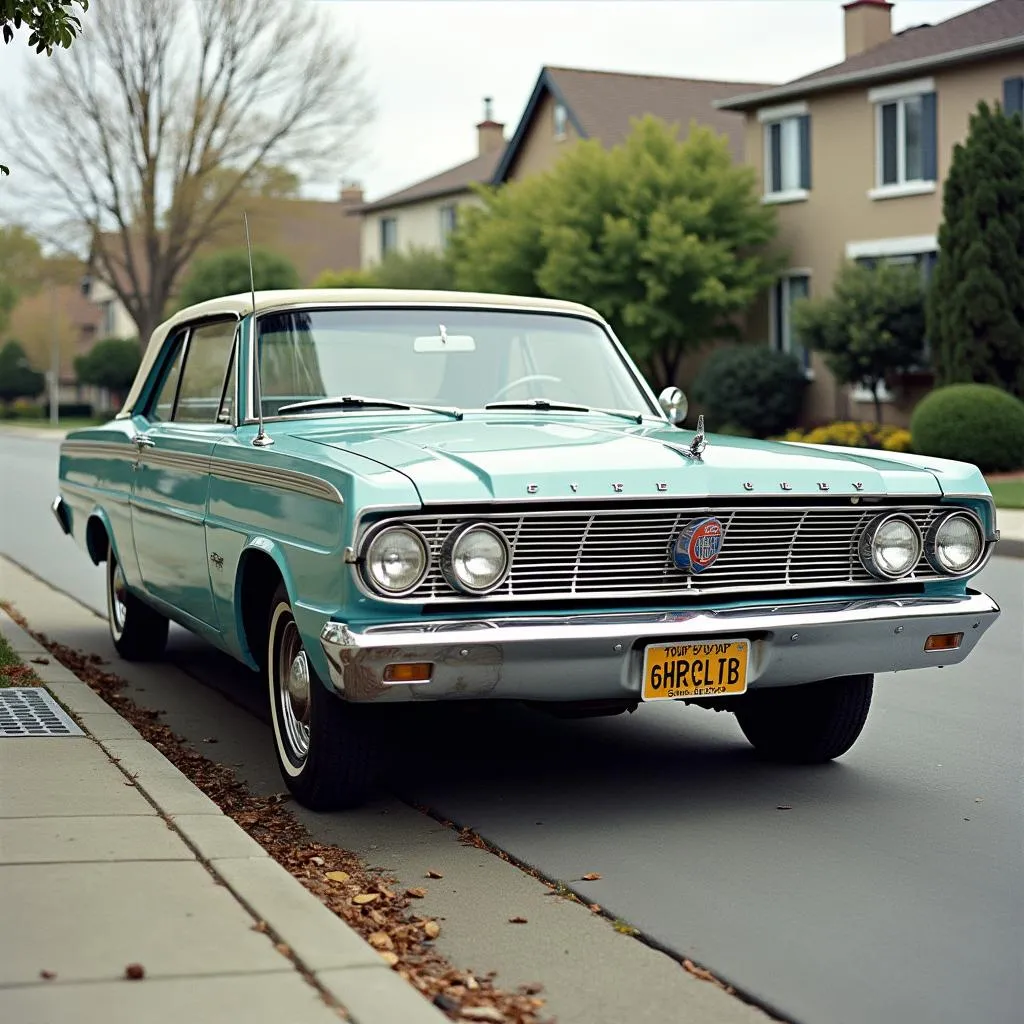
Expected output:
(138, 632)
(325, 746)
(806, 724)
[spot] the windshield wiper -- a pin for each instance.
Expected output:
(358, 402)
(544, 405)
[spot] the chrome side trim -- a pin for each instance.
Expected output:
(592, 656)
(273, 476)
(99, 449)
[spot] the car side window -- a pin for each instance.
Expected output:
(208, 366)
(163, 407)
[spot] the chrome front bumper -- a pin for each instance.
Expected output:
(600, 656)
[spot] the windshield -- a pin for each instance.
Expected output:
(441, 357)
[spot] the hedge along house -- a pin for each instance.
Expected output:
(423, 215)
(854, 156)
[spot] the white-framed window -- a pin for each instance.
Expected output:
(787, 152)
(920, 251)
(107, 327)
(388, 235)
(561, 119)
(447, 216)
(906, 156)
(790, 287)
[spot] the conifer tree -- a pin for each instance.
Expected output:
(976, 300)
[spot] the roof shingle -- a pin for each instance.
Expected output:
(997, 22)
(455, 179)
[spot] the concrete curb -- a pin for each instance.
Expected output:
(334, 954)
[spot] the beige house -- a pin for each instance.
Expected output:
(854, 156)
(422, 215)
(570, 104)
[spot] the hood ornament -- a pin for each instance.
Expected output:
(699, 442)
(443, 331)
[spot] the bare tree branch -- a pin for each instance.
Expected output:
(163, 113)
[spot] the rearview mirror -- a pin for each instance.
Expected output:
(448, 343)
(675, 404)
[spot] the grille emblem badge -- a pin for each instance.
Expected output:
(531, 488)
(748, 486)
(662, 487)
(617, 488)
(698, 546)
(785, 486)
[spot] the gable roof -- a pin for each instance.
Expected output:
(601, 104)
(451, 182)
(989, 30)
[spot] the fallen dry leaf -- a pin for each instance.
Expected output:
(471, 983)
(40, 661)
(380, 940)
(431, 873)
(432, 929)
(416, 894)
(517, 920)
(365, 897)
(337, 876)
(389, 958)
(318, 861)
(134, 972)
(595, 907)
(784, 807)
(483, 1013)
(591, 876)
(47, 975)
(283, 948)
(260, 926)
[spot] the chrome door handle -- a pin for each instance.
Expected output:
(141, 441)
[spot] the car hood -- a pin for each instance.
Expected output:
(544, 457)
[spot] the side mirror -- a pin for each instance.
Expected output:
(675, 404)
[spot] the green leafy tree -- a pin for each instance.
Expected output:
(111, 364)
(17, 377)
(976, 300)
(417, 268)
(665, 238)
(50, 23)
(227, 273)
(344, 279)
(871, 327)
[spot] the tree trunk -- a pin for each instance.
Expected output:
(877, 399)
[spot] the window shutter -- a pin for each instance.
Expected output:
(805, 151)
(929, 138)
(775, 156)
(1013, 96)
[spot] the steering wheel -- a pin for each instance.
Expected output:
(523, 380)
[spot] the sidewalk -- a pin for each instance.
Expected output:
(1010, 523)
(110, 857)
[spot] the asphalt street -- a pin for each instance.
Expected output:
(888, 886)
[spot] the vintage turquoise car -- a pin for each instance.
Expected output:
(381, 496)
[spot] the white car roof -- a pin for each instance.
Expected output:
(241, 304)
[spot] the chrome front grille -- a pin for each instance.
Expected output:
(628, 554)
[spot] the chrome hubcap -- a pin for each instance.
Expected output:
(118, 592)
(294, 692)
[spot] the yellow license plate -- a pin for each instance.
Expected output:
(710, 668)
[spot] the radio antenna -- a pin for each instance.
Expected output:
(260, 440)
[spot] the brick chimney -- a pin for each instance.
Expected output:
(867, 23)
(351, 193)
(490, 134)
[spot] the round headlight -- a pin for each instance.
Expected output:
(954, 544)
(475, 559)
(396, 560)
(890, 547)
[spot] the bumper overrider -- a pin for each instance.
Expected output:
(598, 656)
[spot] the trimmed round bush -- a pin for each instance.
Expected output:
(751, 387)
(975, 423)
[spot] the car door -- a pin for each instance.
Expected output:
(192, 410)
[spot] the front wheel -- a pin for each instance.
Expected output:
(138, 632)
(807, 724)
(324, 745)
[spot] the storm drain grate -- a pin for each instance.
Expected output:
(31, 711)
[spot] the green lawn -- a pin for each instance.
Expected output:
(8, 659)
(1008, 493)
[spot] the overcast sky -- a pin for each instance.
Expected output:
(429, 63)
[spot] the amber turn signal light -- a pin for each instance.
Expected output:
(408, 672)
(943, 641)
